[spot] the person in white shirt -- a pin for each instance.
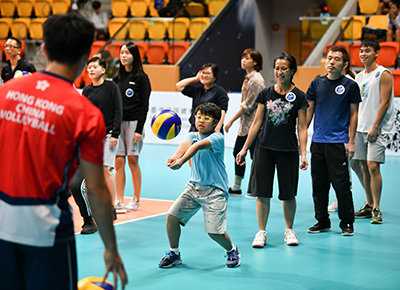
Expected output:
(375, 121)
(100, 21)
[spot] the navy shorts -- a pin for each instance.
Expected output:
(31, 268)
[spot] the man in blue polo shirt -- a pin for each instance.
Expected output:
(333, 100)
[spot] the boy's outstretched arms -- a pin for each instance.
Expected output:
(186, 150)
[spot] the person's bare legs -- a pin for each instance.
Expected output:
(133, 161)
(289, 211)
(356, 166)
(367, 183)
(223, 240)
(110, 180)
(262, 208)
(120, 177)
(173, 231)
(376, 183)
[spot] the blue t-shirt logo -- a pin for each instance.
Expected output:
(377, 74)
(290, 97)
(340, 90)
(129, 93)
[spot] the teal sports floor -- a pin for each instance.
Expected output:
(368, 260)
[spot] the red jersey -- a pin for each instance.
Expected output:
(44, 125)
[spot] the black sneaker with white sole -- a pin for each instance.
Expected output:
(319, 228)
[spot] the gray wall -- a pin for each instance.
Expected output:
(269, 42)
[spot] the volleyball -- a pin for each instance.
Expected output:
(166, 124)
(94, 283)
(20, 74)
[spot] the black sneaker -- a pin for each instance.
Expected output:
(376, 216)
(347, 230)
(171, 259)
(89, 227)
(319, 228)
(234, 192)
(364, 212)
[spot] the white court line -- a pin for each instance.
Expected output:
(142, 218)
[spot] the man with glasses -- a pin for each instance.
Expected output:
(15, 63)
(333, 100)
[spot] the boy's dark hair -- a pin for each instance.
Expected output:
(137, 66)
(214, 69)
(209, 109)
(101, 61)
(19, 43)
(371, 43)
(292, 62)
(345, 55)
(256, 56)
(96, 5)
(67, 37)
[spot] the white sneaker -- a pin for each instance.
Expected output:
(333, 206)
(291, 238)
(260, 240)
(119, 207)
(250, 196)
(133, 204)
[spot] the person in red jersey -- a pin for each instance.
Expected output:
(49, 125)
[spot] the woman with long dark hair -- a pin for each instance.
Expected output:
(279, 108)
(135, 90)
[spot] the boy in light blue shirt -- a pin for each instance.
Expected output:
(207, 187)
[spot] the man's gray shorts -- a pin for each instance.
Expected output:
(370, 151)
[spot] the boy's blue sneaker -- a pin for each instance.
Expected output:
(171, 259)
(233, 258)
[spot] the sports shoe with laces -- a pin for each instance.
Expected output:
(376, 216)
(347, 230)
(133, 204)
(260, 240)
(89, 227)
(234, 192)
(364, 212)
(171, 259)
(233, 258)
(319, 228)
(333, 206)
(119, 207)
(291, 238)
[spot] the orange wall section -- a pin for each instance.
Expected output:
(162, 77)
(305, 75)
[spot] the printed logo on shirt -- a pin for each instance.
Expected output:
(129, 93)
(340, 90)
(363, 90)
(195, 141)
(290, 97)
(377, 74)
(132, 83)
(42, 85)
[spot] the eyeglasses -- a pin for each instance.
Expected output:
(10, 46)
(205, 119)
(282, 69)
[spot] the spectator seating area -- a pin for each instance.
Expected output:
(313, 30)
(145, 8)
(160, 42)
